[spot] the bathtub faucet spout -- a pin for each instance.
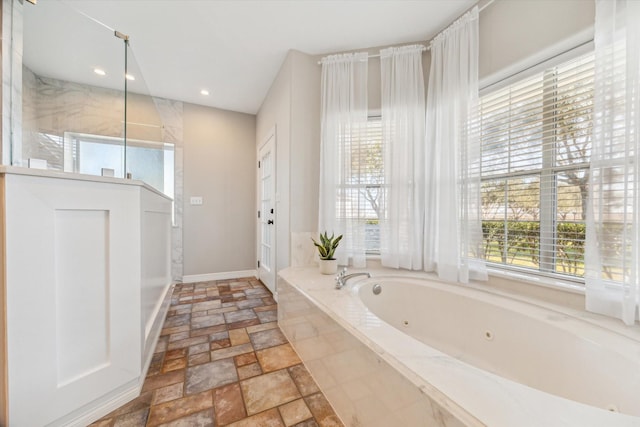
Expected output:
(341, 279)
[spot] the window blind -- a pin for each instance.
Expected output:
(535, 139)
(362, 194)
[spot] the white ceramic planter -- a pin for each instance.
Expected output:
(328, 266)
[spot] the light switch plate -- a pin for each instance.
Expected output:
(196, 200)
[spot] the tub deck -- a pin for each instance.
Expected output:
(374, 374)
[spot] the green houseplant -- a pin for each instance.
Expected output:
(326, 249)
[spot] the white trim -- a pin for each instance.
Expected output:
(193, 278)
(270, 135)
(150, 340)
(539, 280)
(115, 399)
(564, 50)
(112, 401)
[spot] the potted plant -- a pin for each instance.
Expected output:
(326, 248)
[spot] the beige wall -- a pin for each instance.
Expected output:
(305, 142)
(275, 112)
(220, 146)
(218, 149)
(510, 32)
(219, 165)
(373, 72)
(513, 30)
(292, 106)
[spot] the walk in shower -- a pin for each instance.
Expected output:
(81, 105)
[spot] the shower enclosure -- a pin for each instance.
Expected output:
(85, 252)
(81, 105)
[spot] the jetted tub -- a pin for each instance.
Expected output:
(475, 357)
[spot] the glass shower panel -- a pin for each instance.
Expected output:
(149, 151)
(70, 86)
(85, 104)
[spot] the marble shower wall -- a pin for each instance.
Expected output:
(171, 113)
(52, 107)
(12, 12)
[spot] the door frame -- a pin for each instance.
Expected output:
(270, 135)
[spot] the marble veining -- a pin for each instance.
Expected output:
(345, 345)
(303, 253)
(54, 107)
(171, 115)
(12, 49)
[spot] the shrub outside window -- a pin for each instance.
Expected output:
(536, 145)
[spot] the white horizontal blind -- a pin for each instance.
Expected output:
(536, 145)
(615, 173)
(361, 195)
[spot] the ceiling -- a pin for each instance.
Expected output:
(232, 48)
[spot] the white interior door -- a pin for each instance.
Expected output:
(266, 212)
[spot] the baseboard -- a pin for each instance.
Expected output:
(123, 395)
(151, 338)
(103, 406)
(193, 278)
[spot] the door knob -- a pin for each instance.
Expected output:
(270, 221)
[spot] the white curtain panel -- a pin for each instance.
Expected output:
(453, 230)
(403, 130)
(344, 119)
(612, 258)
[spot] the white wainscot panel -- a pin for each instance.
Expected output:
(82, 293)
(156, 250)
(73, 298)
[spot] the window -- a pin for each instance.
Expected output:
(149, 161)
(362, 192)
(536, 146)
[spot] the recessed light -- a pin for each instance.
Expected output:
(129, 77)
(99, 71)
(204, 92)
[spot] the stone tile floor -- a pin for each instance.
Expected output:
(221, 360)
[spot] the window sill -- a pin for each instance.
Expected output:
(517, 284)
(532, 279)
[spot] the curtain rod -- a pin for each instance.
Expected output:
(377, 55)
(487, 4)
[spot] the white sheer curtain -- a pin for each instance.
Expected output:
(612, 256)
(453, 233)
(344, 119)
(403, 130)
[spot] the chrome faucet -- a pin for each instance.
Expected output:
(342, 277)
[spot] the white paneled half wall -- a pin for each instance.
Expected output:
(87, 275)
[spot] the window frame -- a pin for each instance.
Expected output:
(548, 172)
(362, 187)
(72, 142)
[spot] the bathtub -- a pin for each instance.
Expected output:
(423, 353)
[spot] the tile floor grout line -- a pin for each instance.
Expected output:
(179, 364)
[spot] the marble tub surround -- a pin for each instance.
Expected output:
(363, 387)
(303, 252)
(222, 360)
(350, 351)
